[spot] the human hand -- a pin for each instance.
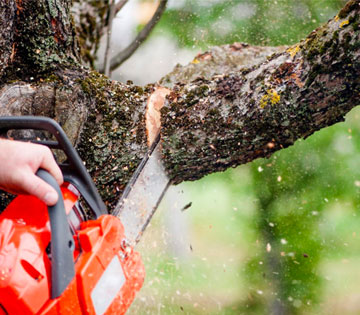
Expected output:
(19, 161)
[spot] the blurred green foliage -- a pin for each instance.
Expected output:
(301, 232)
(293, 189)
(205, 23)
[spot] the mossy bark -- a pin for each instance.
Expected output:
(213, 122)
(42, 39)
(222, 121)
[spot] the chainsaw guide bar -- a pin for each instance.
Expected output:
(143, 194)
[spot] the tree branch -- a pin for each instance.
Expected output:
(121, 57)
(120, 5)
(108, 41)
(231, 119)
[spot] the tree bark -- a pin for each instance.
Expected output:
(216, 121)
(91, 21)
(230, 119)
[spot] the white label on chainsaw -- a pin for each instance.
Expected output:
(108, 286)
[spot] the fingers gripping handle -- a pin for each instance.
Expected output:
(73, 169)
(62, 243)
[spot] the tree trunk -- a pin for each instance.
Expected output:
(222, 118)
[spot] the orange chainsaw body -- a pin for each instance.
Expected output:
(108, 273)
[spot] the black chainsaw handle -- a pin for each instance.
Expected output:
(62, 242)
(73, 169)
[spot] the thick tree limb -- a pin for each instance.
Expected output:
(208, 124)
(234, 118)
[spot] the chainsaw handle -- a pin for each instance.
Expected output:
(62, 242)
(73, 169)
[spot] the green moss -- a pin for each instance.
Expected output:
(52, 8)
(51, 78)
(114, 133)
(203, 89)
(355, 26)
(325, 47)
(335, 36)
(312, 53)
(43, 38)
(346, 41)
(214, 112)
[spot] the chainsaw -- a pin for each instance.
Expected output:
(75, 257)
